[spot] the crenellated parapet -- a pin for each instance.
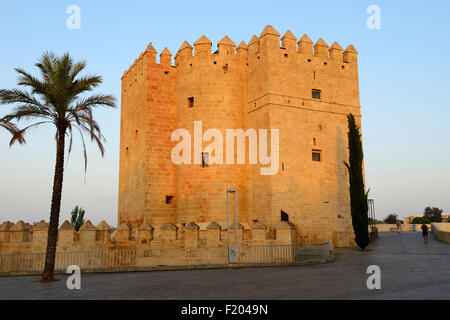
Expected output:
(269, 42)
(287, 70)
(146, 58)
(201, 53)
(22, 238)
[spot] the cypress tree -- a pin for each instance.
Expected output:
(358, 196)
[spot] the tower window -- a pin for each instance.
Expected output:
(316, 94)
(205, 159)
(316, 155)
(191, 102)
(169, 199)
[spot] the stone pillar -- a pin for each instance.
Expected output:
(259, 232)
(103, 232)
(87, 234)
(145, 233)
(123, 233)
(285, 233)
(66, 234)
(40, 232)
(213, 234)
(20, 232)
(4, 231)
(191, 235)
(169, 231)
(40, 235)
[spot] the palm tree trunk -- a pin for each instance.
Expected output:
(55, 208)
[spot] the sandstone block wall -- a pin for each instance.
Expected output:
(266, 84)
(441, 231)
(23, 238)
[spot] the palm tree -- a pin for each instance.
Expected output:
(58, 99)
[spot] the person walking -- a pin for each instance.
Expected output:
(399, 224)
(425, 233)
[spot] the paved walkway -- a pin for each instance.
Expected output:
(410, 269)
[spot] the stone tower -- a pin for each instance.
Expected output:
(304, 90)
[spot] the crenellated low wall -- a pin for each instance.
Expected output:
(441, 231)
(22, 238)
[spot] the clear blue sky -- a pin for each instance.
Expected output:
(404, 86)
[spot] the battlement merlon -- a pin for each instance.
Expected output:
(305, 46)
(184, 52)
(253, 46)
(202, 47)
(351, 55)
(149, 56)
(241, 50)
(289, 41)
(165, 58)
(226, 46)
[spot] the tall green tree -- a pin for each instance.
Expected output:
(358, 195)
(77, 217)
(60, 98)
(391, 218)
(433, 214)
(420, 220)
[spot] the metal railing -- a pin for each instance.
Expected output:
(168, 257)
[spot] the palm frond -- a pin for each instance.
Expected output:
(17, 135)
(30, 81)
(18, 96)
(77, 68)
(30, 111)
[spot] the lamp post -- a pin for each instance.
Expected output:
(371, 211)
(232, 251)
(326, 220)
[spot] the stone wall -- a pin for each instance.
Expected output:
(441, 231)
(23, 238)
